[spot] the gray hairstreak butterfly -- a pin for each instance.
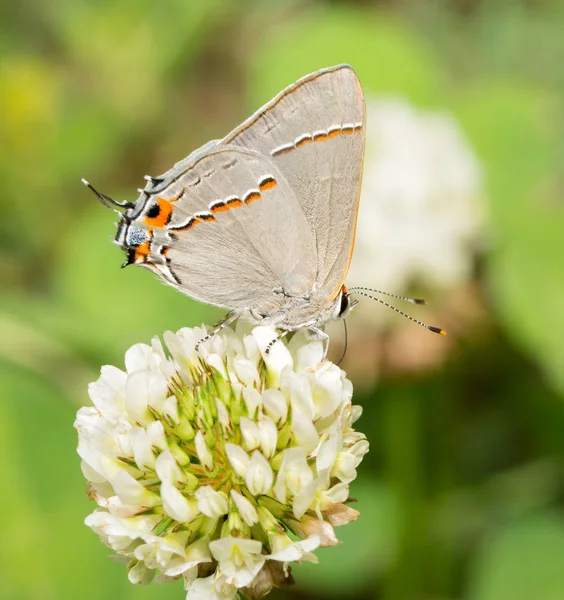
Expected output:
(263, 221)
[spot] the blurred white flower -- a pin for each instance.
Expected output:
(421, 214)
(209, 465)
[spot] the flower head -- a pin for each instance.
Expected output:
(223, 465)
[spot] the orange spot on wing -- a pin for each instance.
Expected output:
(334, 133)
(303, 141)
(220, 208)
(233, 203)
(252, 197)
(267, 184)
(320, 137)
(163, 215)
(142, 252)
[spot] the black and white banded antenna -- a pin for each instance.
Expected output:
(362, 291)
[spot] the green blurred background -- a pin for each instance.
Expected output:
(462, 494)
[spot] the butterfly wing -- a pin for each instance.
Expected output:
(227, 229)
(314, 133)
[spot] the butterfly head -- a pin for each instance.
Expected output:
(130, 237)
(343, 304)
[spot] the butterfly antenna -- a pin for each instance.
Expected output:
(429, 327)
(346, 343)
(404, 298)
(106, 200)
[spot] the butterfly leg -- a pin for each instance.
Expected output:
(221, 324)
(276, 339)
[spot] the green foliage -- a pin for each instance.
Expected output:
(521, 561)
(512, 127)
(389, 57)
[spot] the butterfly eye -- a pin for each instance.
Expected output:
(345, 305)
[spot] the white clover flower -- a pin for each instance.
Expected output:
(421, 214)
(220, 466)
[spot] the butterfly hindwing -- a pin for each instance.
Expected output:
(314, 132)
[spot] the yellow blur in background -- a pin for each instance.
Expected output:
(462, 494)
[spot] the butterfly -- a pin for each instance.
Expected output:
(262, 222)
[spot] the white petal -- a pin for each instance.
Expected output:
(167, 468)
(278, 357)
(131, 492)
(211, 502)
(139, 573)
(103, 522)
(203, 452)
(238, 459)
(296, 550)
(259, 475)
(300, 395)
(196, 553)
(108, 392)
(326, 456)
(345, 467)
(107, 467)
(176, 505)
(239, 559)
(170, 409)
(359, 449)
(268, 433)
(328, 389)
(356, 413)
(294, 474)
(246, 371)
(275, 405)
(308, 353)
(147, 553)
(223, 415)
(252, 399)
(142, 448)
(141, 357)
(117, 508)
(247, 511)
(250, 344)
(338, 493)
(90, 474)
(156, 433)
(304, 430)
(250, 434)
(215, 361)
(144, 389)
(205, 589)
(304, 499)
